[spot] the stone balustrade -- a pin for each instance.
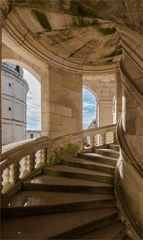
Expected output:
(24, 159)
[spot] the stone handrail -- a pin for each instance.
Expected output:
(125, 149)
(21, 159)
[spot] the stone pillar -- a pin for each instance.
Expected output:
(45, 102)
(61, 102)
(3, 14)
(118, 95)
(104, 117)
(104, 114)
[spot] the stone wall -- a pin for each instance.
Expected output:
(61, 102)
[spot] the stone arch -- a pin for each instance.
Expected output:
(90, 90)
(32, 69)
(8, 55)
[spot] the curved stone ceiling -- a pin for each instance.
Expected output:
(80, 31)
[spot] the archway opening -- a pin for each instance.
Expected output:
(33, 102)
(21, 104)
(89, 106)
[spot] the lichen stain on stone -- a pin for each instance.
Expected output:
(79, 9)
(42, 18)
(116, 52)
(106, 31)
(79, 21)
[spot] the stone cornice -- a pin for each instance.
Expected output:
(16, 33)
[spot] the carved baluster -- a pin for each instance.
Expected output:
(23, 167)
(38, 158)
(43, 156)
(1, 181)
(30, 162)
(13, 173)
(5, 177)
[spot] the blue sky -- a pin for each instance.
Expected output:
(34, 104)
(89, 108)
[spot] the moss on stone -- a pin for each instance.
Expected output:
(79, 21)
(114, 53)
(79, 9)
(42, 18)
(106, 31)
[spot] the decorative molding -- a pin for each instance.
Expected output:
(16, 35)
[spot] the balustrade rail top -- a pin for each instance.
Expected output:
(11, 146)
(25, 147)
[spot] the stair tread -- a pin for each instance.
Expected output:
(113, 144)
(39, 198)
(106, 233)
(54, 180)
(87, 162)
(71, 169)
(99, 156)
(107, 150)
(43, 227)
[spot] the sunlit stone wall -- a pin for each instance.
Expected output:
(61, 102)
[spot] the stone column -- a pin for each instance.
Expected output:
(45, 102)
(3, 14)
(104, 117)
(61, 102)
(118, 94)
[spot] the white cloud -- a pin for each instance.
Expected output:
(89, 108)
(33, 102)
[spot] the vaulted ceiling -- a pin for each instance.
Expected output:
(81, 31)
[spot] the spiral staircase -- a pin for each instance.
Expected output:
(72, 199)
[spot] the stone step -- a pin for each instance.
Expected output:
(40, 203)
(63, 184)
(126, 238)
(39, 198)
(78, 173)
(88, 164)
(108, 152)
(99, 158)
(58, 226)
(114, 147)
(113, 231)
